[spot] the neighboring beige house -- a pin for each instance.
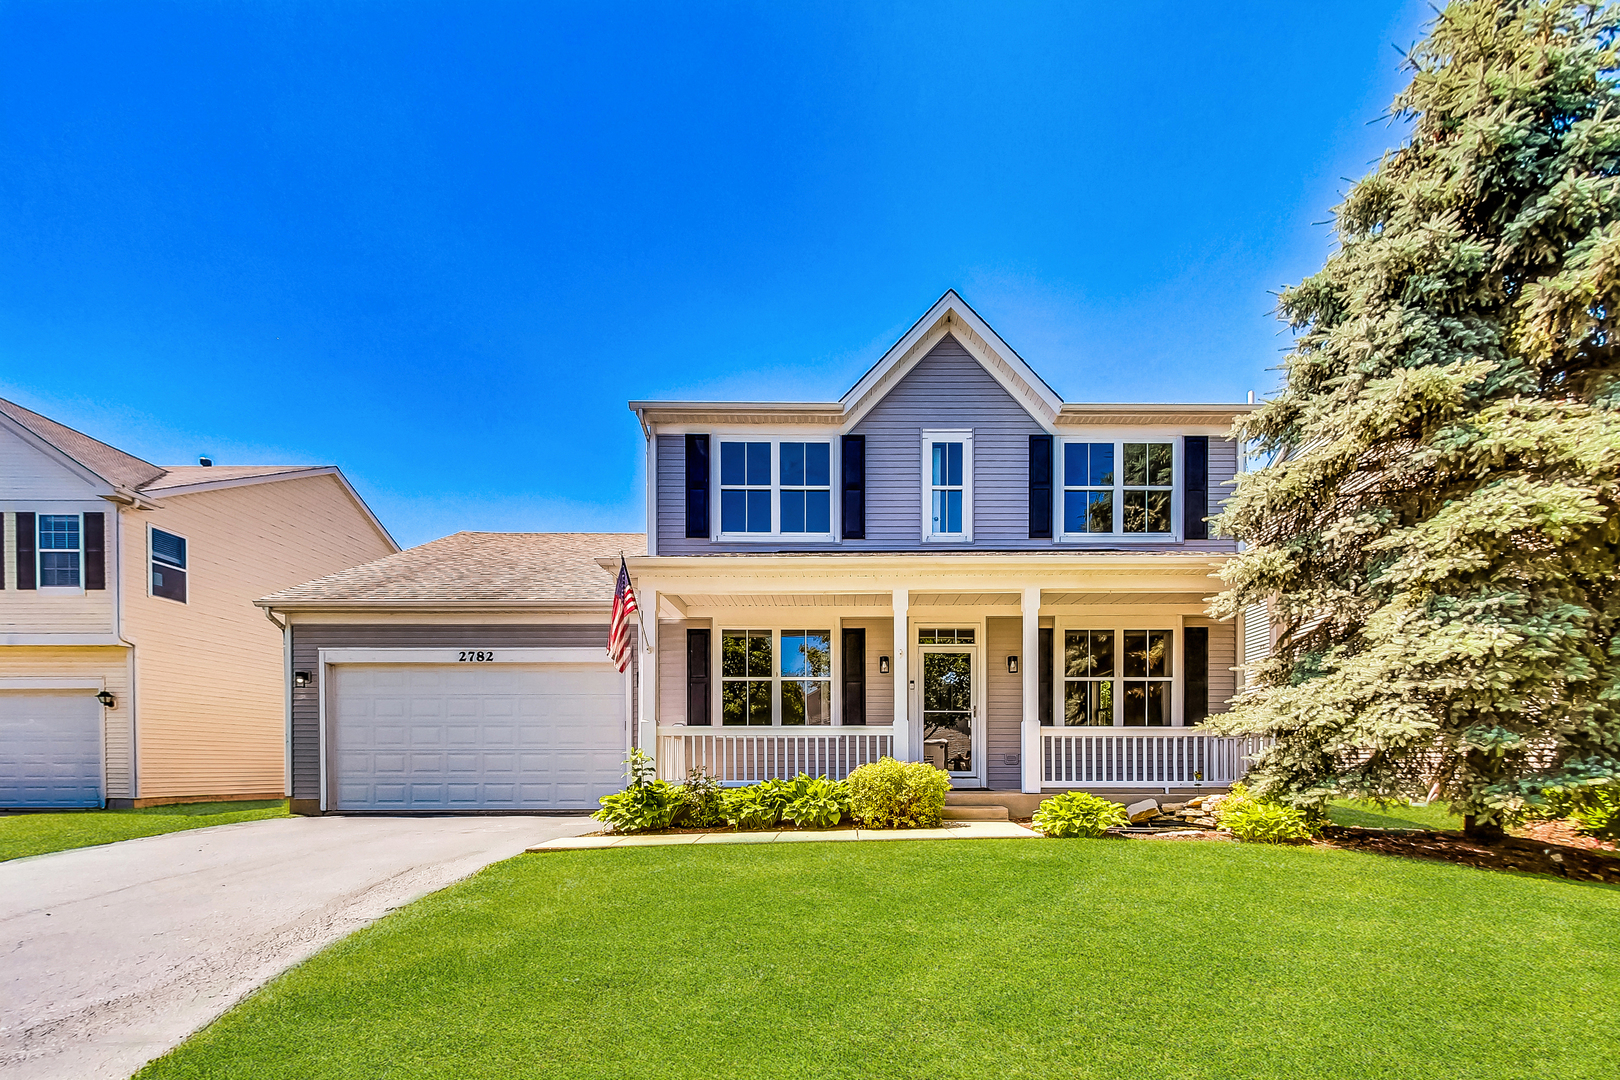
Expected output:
(134, 668)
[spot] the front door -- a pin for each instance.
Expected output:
(951, 721)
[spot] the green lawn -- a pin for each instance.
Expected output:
(36, 834)
(974, 959)
(1396, 816)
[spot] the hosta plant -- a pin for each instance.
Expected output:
(1266, 822)
(1075, 813)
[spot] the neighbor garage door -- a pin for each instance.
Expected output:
(50, 748)
(475, 736)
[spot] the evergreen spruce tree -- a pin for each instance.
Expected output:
(1438, 534)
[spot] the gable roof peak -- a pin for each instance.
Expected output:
(952, 315)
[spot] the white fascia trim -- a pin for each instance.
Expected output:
(46, 683)
(495, 655)
(472, 606)
(1040, 400)
(63, 639)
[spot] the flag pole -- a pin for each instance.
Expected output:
(645, 644)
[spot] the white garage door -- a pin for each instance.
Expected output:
(480, 736)
(50, 748)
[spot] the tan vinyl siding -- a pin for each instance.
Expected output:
(108, 663)
(1222, 662)
(1004, 700)
(28, 474)
(212, 719)
(879, 688)
(672, 669)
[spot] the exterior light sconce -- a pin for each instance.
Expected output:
(106, 699)
(301, 679)
(883, 665)
(1012, 665)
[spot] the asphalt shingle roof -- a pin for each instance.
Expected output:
(479, 566)
(108, 462)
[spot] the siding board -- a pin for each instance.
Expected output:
(1222, 661)
(1004, 701)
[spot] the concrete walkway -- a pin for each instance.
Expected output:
(955, 830)
(110, 956)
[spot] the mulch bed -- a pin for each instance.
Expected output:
(1525, 854)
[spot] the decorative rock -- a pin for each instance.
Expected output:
(1142, 811)
(1173, 807)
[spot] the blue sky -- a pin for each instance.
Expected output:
(441, 245)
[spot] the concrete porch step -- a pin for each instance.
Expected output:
(975, 813)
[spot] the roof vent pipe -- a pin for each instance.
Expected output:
(208, 462)
(1251, 402)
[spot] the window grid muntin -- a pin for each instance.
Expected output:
(1127, 690)
(1162, 494)
(768, 685)
(59, 545)
(754, 491)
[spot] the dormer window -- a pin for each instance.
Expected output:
(947, 485)
(776, 488)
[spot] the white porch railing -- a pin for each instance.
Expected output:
(748, 755)
(1114, 757)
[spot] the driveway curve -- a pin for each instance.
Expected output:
(110, 956)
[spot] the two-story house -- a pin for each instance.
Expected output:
(134, 668)
(949, 564)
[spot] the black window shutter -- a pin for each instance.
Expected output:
(26, 539)
(853, 455)
(1045, 679)
(1195, 654)
(854, 703)
(697, 486)
(1040, 487)
(1195, 466)
(95, 551)
(697, 678)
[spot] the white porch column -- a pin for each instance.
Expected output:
(647, 673)
(1030, 753)
(902, 688)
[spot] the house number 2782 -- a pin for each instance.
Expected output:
(478, 657)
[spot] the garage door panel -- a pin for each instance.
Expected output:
(501, 736)
(50, 749)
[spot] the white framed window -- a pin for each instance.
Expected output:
(777, 488)
(947, 486)
(1118, 677)
(1119, 488)
(167, 560)
(60, 551)
(776, 678)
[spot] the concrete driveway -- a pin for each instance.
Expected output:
(111, 955)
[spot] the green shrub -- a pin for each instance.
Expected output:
(890, 794)
(745, 808)
(1249, 818)
(1075, 813)
(645, 805)
(701, 800)
(1594, 809)
(816, 803)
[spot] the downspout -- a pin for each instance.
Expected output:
(286, 700)
(118, 632)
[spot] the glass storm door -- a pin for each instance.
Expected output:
(950, 721)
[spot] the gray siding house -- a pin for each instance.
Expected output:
(950, 564)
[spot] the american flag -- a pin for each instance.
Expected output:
(624, 605)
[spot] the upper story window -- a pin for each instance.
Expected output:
(947, 485)
(775, 487)
(1118, 488)
(168, 567)
(59, 551)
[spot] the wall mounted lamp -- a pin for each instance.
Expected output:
(883, 665)
(106, 698)
(301, 679)
(1012, 665)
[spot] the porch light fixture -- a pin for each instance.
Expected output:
(301, 679)
(106, 698)
(1012, 665)
(883, 665)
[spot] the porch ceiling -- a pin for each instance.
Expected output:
(1124, 599)
(784, 600)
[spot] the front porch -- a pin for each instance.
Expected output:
(1019, 674)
